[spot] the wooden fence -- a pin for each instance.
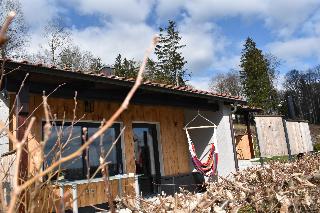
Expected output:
(279, 137)
(271, 136)
(299, 137)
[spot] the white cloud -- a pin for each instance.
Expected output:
(283, 17)
(296, 52)
(125, 29)
(114, 38)
(124, 10)
(38, 12)
(168, 9)
(286, 16)
(226, 63)
(202, 10)
(296, 48)
(201, 83)
(203, 43)
(312, 26)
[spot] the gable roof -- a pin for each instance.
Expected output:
(112, 79)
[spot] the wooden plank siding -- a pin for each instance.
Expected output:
(243, 147)
(271, 136)
(172, 138)
(299, 137)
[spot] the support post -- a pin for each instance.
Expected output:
(261, 159)
(61, 188)
(247, 119)
(137, 191)
(287, 138)
(22, 113)
(120, 185)
(233, 143)
(74, 198)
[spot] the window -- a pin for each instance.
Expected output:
(65, 140)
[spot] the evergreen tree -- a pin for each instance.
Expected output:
(255, 78)
(169, 68)
(125, 68)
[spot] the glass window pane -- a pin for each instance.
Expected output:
(143, 148)
(61, 144)
(95, 151)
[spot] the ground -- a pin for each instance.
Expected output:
(315, 135)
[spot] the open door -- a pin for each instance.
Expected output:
(146, 157)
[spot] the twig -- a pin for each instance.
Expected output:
(19, 147)
(5, 26)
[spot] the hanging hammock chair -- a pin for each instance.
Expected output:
(208, 162)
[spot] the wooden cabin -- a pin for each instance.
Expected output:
(152, 154)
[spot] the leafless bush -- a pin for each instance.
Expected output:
(276, 187)
(35, 192)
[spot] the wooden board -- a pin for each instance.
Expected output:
(243, 147)
(306, 136)
(170, 119)
(299, 137)
(271, 136)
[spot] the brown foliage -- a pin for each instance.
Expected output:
(276, 187)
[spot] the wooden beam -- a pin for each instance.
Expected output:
(249, 132)
(234, 147)
(22, 113)
(117, 94)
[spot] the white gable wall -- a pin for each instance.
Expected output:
(201, 137)
(4, 115)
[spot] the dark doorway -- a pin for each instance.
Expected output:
(147, 157)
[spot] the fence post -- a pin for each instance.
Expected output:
(235, 157)
(287, 138)
(258, 145)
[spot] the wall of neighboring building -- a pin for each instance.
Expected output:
(4, 118)
(201, 137)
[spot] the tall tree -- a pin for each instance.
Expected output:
(58, 38)
(170, 65)
(17, 32)
(226, 83)
(59, 50)
(74, 58)
(125, 67)
(303, 87)
(257, 85)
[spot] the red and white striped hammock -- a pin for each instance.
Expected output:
(208, 162)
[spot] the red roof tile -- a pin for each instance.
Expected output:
(147, 82)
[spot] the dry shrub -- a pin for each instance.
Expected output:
(276, 187)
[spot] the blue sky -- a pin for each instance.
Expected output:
(213, 30)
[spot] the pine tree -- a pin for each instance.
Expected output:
(125, 68)
(117, 65)
(257, 85)
(169, 67)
